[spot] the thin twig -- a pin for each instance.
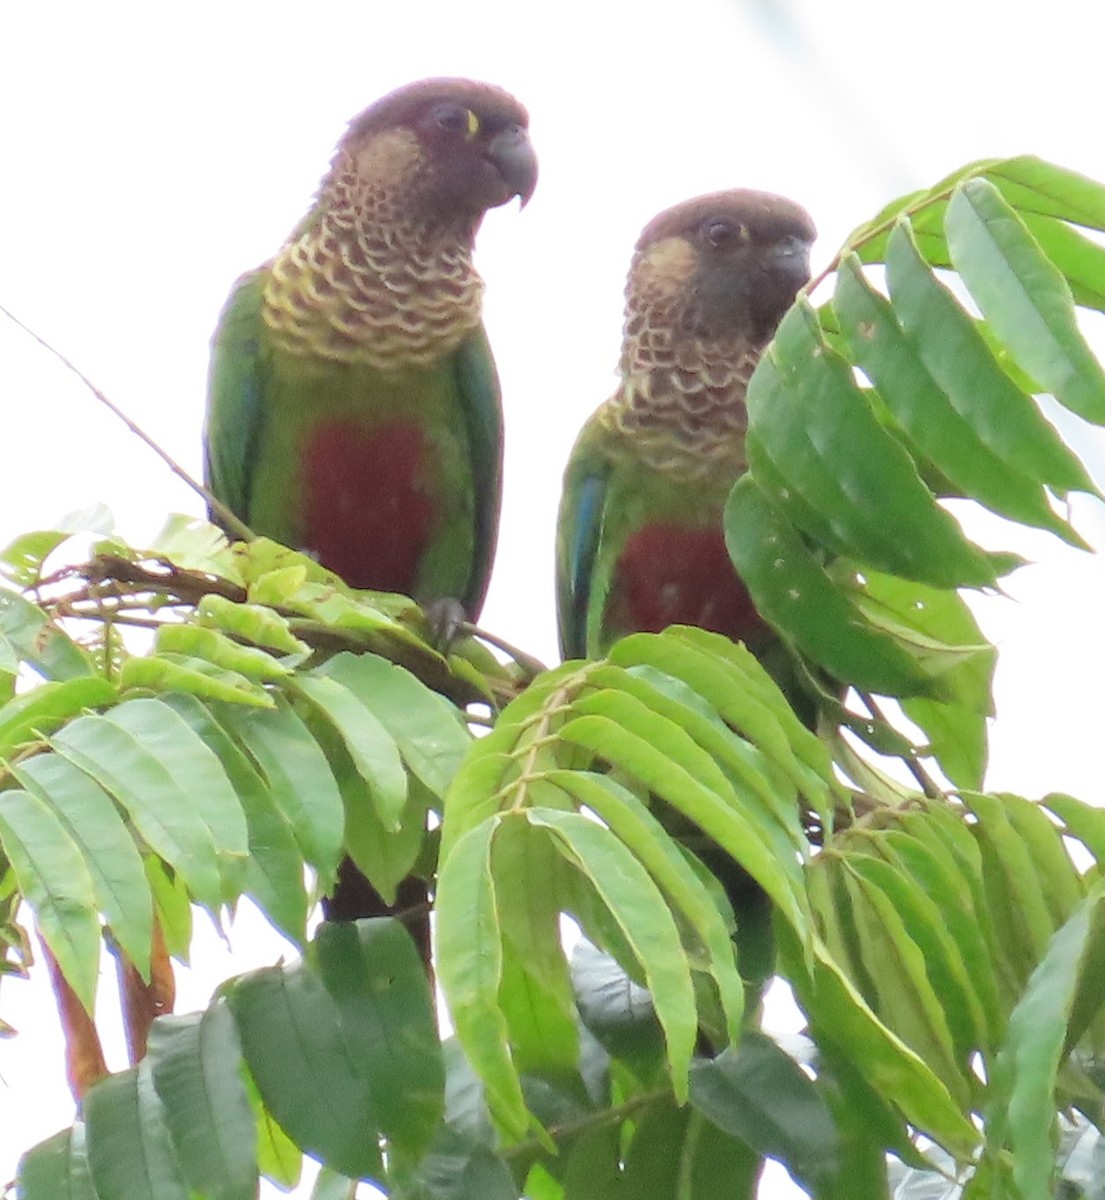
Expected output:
(530, 665)
(226, 518)
(928, 785)
(595, 1120)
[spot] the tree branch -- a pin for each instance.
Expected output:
(235, 527)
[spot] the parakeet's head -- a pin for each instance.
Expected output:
(727, 264)
(442, 149)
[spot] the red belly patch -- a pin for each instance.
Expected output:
(368, 517)
(672, 575)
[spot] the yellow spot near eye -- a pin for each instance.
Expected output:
(473, 124)
(667, 264)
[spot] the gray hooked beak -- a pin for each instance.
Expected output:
(792, 257)
(512, 154)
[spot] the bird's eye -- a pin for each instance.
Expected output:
(457, 119)
(724, 233)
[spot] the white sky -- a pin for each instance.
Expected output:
(147, 160)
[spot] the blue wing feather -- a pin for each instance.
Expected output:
(579, 533)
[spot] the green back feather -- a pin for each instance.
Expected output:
(235, 396)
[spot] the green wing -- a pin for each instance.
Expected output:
(480, 398)
(235, 406)
(578, 533)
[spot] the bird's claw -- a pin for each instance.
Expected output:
(448, 621)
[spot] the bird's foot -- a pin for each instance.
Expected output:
(448, 621)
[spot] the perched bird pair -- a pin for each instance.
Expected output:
(354, 408)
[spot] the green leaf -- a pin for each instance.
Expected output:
(249, 622)
(956, 355)
(106, 846)
(631, 898)
(274, 867)
(457, 1169)
(816, 447)
(329, 1185)
(536, 988)
(9, 668)
(1012, 885)
(946, 438)
(384, 856)
(867, 1127)
(764, 793)
(679, 1153)
(57, 1169)
(468, 945)
(190, 542)
(1081, 261)
(906, 1001)
(1033, 185)
(183, 673)
(428, 730)
(793, 591)
(213, 646)
(838, 1014)
(640, 832)
(945, 833)
(261, 560)
(1024, 297)
(592, 1166)
(760, 1095)
(154, 798)
(160, 731)
(21, 560)
(923, 921)
(1023, 1095)
(277, 1155)
(300, 781)
(666, 733)
(173, 787)
(638, 751)
(491, 761)
(956, 723)
(128, 1143)
(195, 1062)
(293, 1042)
(617, 1011)
(172, 906)
(658, 1157)
(731, 680)
(38, 641)
(370, 746)
(1059, 881)
(944, 899)
(55, 881)
(40, 711)
(374, 973)
(1082, 821)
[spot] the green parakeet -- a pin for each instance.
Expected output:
(640, 542)
(639, 539)
(353, 408)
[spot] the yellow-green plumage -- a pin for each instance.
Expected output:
(353, 407)
(640, 542)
